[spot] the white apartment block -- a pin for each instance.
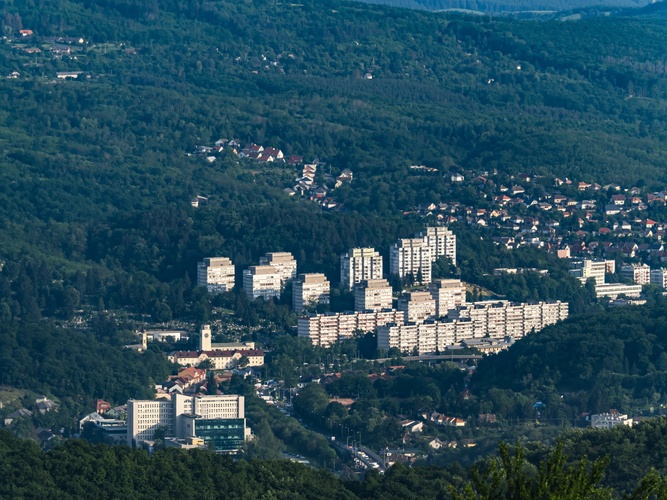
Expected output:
(424, 338)
(585, 269)
(145, 417)
(216, 273)
(448, 294)
(262, 281)
(411, 256)
(474, 321)
(639, 274)
(403, 337)
(309, 290)
(498, 319)
(441, 241)
(330, 328)
(359, 264)
(613, 290)
(659, 277)
(372, 295)
(284, 264)
(417, 306)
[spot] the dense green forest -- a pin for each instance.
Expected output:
(103, 157)
(76, 367)
(96, 185)
(78, 469)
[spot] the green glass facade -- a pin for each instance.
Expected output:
(221, 434)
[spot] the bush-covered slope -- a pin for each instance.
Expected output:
(614, 359)
(77, 367)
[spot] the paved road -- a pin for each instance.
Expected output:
(429, 357)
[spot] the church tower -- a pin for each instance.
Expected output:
(205, 338)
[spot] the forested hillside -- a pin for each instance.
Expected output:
(616, 359)
(584, 99)
(103, 105)
(79, 469)
(510, 6)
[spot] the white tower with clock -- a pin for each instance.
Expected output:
(205, 338)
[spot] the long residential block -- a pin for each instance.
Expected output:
(330, 328)
(471, 321)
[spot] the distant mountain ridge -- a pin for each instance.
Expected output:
(509, 6)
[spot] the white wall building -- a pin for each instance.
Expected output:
(609, 420)
(659, 277)
(637, 273)
(359, 264)
(585, 269)
(497, 319)
(448, 294)
(372, 295)
(262, 281)
(330, 328)
(423, 338)
(411, 256)
(146, 417)
(613, 290)
(221, 359)
(309, 290)
(216, 273)
(417, 307)
(441, 241)
(284, 264)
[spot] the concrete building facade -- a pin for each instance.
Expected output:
(441, 241)
(659, 277)
(639, 274)
(174, 416)
(613, 290)
(495, 320)
(309, 290)
(217, 274)
(417, 307)
(330, 328)
(585, 269)
(359, 264)
(411, 256)
(372, 295)
(283, 263)
(609, 420)
(448, 294)
(262, 281)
